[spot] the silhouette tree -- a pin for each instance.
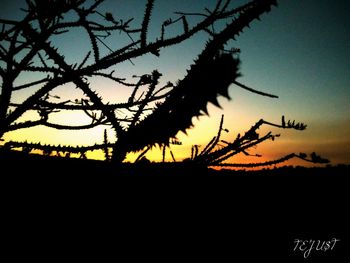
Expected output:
(153, 113)
(215, 154)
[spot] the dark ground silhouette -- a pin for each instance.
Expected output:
(188, 212)
(73, 167)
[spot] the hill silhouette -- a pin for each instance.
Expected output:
(11, 160)
(222, 214)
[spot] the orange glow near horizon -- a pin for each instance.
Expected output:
(204, 129)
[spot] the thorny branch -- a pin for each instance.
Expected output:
(26, 47)
(214, 155)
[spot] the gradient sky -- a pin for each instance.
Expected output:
(300, 51)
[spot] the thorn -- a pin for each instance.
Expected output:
(224, 93)
(155, 52)
(215, 102)
(184, 131)
(205, 110)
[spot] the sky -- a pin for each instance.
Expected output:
(299, 51)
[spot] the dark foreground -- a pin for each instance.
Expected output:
(174, 212)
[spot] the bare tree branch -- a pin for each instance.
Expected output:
(254, 90)
(146, 20)
(28, 85)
